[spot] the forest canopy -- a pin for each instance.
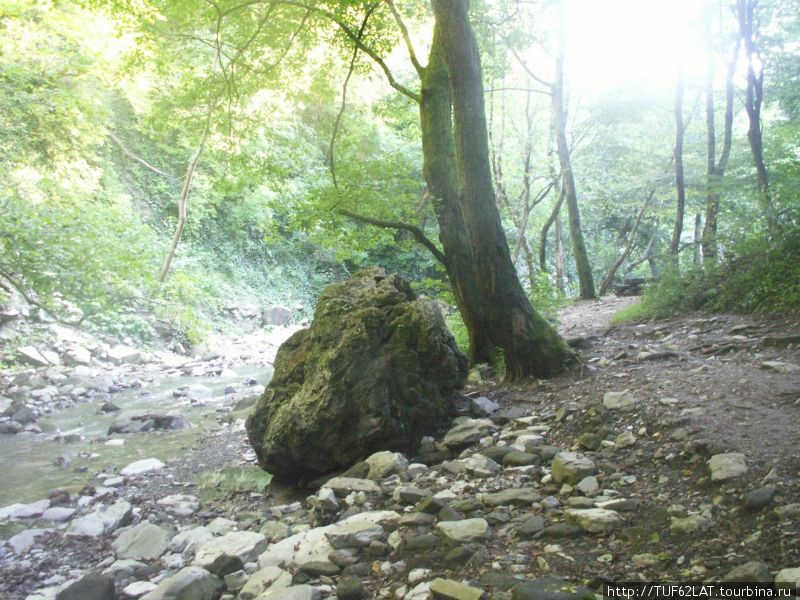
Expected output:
(167, 160)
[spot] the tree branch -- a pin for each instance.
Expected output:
(363, 47)
(418, 234)
(136, 158)
(406, 38)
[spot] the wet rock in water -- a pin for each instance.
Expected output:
(571, 467)
(144, 541)
(727, 466)
(143, 421)
(10, 427)
(190, 583)
(375, 371)
(92, 586)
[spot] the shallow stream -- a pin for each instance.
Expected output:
(29, 463)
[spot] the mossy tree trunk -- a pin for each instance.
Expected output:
(530, 346)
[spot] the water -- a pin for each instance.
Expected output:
(28, 470)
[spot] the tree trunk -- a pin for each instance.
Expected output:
(680, 186)
(182, 199)
(628, 246)
(717, 171)
(754, 95)
(530, 346)
(698, 245)
(560, 257)
(439, 168)
(582, 265)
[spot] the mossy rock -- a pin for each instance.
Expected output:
(375, 371)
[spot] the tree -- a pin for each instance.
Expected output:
(754, 96)
(530, 345)
(680, 186)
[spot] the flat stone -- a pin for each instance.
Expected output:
(190, 583)
(24, 511)
(245, 546)
(144, 541)
(549, 588)
(447, 589)
(750, 572)
(788, 577)
(410, 494)
(58, 514)
(727, 466)
(104, 520)
(25, 540)
(181, 505)
(466, 530)
(142, 466)
(189, 540)
(468, 431)
(511, 497)
(571, 467)
(759, 498)
(622, 401)
(121, 354)
(269, 578)
(516, 458)
(344, 485)
(31, 356)
(595, 520)
(481, 466)
(531, 526)
(355, 535)
(137, 589)
(315, 568)
(689, 524)
(295, 592)
(587, 485)
(91, 586)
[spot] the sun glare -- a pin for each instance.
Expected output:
(624, 43)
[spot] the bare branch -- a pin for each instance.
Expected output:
(406, 38)
(418, 234)
(136, 158)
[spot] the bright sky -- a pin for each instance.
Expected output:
(612, 43)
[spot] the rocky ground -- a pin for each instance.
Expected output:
(671, 454)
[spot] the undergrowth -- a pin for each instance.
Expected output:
(758, 276)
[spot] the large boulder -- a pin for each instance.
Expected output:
(375, 371)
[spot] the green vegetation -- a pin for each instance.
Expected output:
(310, 166)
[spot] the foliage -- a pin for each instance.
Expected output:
(759, 276)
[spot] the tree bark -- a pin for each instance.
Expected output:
(716, 170)
(439, 169)
(530, 346)
(698, 245)
(584, 269)
(680, 186)
(754, 95)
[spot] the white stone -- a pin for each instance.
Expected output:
(313, 544)
(144, 541)
(137, 589)
(246, 545)
(727, 466)
(103, 520)
(623, 400)
(344, 485)
(295, 592)
(595, 520)
(481, 466)
(24, 511)
(327, 499)
(24, 540)
(58, 514)
(142, 466)
(181, 505)
(589, 484)
(121, 354)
